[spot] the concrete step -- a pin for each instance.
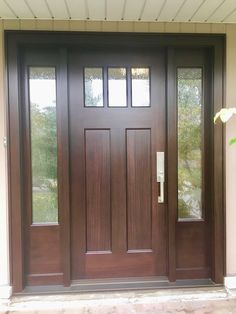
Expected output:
(189, 300)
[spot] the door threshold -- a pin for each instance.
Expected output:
(121, 284)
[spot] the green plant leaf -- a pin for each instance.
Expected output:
(232, 141)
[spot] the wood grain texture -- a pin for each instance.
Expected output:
(44, 279)
(44, 250)
(98, 198)
(137, 242)
(15, 174)
(191, 245)
(63, 164)
(172, 164)
(139, 195)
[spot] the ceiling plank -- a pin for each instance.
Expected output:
(77, 9)
(142, 10)
(225, 9)
(58, 9)
(115, 9)
(39, 8)
(152, 10)
(5, 12)
(133, 10)
(29, 7)
(179, 9)
(20, 8)
(67, 9)
(231, 17)
(207, 8)
(187, 10)
(96, 9)
(170, 9)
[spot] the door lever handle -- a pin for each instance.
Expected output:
(161, 196)
(160, 164)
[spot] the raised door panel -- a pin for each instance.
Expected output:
(139, 210)
(98, 200)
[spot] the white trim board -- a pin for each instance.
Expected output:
(230, 282)
(5, 292)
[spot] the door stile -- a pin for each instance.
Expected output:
(218, 231)
(171, 163)
(15, 169)
(63, 165)
(208, 170)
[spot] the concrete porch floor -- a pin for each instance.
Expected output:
(188, 300)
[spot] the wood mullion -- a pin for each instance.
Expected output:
(63, 163)
(218, 168)
(171, 161)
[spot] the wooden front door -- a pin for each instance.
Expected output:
(91, 198)
(117, 124)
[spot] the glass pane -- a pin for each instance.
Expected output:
(42, 90)
(140, 87)
(189, 142)
(117, 87)
(93, 79)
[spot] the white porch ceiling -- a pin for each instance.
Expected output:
(213, 11)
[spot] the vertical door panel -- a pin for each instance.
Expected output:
(98, 198)
(139, 197)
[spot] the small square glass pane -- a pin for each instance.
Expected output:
(93, 89)
(117, 94)
(140, 87)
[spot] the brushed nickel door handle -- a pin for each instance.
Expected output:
(161, 196)
(160, 168)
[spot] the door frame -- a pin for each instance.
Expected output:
(16, 41)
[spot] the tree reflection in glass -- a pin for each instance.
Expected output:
(93, 87)
(42, 91)
(189, 87)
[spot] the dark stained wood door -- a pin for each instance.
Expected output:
(107, 221)
(118, 226)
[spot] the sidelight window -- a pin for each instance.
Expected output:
(43, 134)
(190, 120)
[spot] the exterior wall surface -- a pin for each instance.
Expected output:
(59, 25)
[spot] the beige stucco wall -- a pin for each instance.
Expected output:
(231, 152)
(230, 31)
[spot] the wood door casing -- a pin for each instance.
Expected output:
(118, 228)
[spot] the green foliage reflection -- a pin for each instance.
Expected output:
(189, 143)
(43, 129)
(44, 164)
